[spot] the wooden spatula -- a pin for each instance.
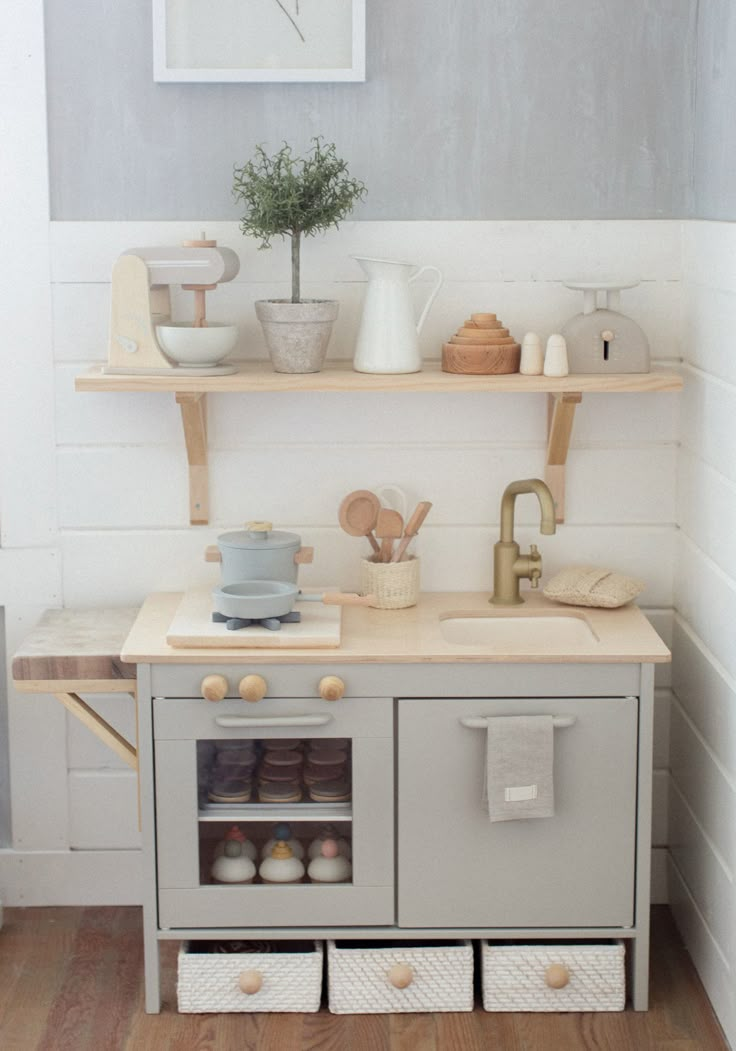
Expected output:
(389, 527)
(412, 528)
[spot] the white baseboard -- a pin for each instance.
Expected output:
(74, 877)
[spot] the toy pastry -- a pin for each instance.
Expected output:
(281, 866)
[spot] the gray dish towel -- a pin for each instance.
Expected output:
(519, 761)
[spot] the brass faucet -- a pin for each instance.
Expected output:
(509, 566)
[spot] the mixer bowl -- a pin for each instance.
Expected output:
(196, 347)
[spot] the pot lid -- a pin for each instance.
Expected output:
(258, 536)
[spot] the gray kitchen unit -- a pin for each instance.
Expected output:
(427, 861)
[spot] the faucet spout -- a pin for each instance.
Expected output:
(509, 566)
(547, 524)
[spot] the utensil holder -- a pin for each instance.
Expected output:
(395, 584)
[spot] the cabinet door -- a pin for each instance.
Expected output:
(456, 868)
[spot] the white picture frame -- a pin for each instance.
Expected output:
(258, 40)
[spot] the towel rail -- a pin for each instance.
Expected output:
(480, 722)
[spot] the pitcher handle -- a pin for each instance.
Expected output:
(432, 294)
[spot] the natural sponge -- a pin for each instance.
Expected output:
(592, 586)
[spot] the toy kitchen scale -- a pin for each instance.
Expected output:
(143, 337)
(604, 339)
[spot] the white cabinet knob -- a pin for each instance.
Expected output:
(253, 688)
(331, 688)
(557, 976)
(400, 975)
(250, 982)
(214, 687)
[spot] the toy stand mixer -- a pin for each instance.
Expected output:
(143, 337)
(604, 339)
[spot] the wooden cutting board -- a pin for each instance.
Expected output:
(192, 626)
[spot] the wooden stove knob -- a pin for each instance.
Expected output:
(253, 688)
(331, 688)
(400, 975)
(250, 982)
(557, 976)
(214, 687)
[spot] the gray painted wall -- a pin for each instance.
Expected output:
(714, 152)
(472, 109)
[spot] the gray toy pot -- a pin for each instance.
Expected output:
(297, 334)
(259, 552)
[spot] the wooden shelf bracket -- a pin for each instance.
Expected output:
(194, 419)
(99, 726)
(560, 416)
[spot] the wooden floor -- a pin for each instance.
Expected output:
(72, 978)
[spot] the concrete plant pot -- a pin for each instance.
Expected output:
(297, 334)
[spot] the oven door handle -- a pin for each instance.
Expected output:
(272, 720)
(481, 722)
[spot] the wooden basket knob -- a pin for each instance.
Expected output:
(557, 976)
(401, 975)
(253, 688)
(214, 687)
(331, 688)
(250, 982)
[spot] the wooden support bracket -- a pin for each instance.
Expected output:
(561, 413)
(100, 728)
(194, 418)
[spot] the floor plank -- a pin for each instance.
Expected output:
(71, 979)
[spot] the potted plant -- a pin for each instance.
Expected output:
(295, 197)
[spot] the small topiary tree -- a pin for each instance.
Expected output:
(295, 197)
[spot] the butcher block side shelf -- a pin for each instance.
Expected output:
(565, 393)
(72, 652)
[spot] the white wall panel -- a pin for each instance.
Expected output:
(707, 509)
(707, 414)
(103, 810)
(706, 597)
(706, 692)
(708, 789)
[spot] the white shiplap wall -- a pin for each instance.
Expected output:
(702, 830)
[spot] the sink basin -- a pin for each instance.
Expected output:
(527, 633)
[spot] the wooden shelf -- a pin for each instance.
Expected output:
(258, 377)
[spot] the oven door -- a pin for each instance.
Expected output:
(208, 757)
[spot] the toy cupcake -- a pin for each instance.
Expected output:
(330, 866)
(233, 865)
(281, 866)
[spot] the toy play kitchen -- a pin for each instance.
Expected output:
(387, 739)
(143, 337)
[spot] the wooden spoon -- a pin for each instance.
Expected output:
(412, 528)
(358, 513)
(389, 527)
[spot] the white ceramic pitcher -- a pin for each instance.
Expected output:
(388, 335)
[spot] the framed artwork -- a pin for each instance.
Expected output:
(258, 40)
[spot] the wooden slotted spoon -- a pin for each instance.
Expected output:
(389, 527)
(358, 514)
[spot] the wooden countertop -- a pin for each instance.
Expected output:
(411, 636)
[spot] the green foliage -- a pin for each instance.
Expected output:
(288, 196)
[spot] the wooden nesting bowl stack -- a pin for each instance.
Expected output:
(482, 346)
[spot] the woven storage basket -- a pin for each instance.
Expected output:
(395, 584)
(359, 982)
(515, 977)
(208, 982)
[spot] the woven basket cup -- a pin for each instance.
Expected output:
(395, 584)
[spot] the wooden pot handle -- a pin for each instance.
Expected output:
(212, 553)
(557, 976)
(400, 975)
(250, 982)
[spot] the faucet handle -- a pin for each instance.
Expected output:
(535, 571)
